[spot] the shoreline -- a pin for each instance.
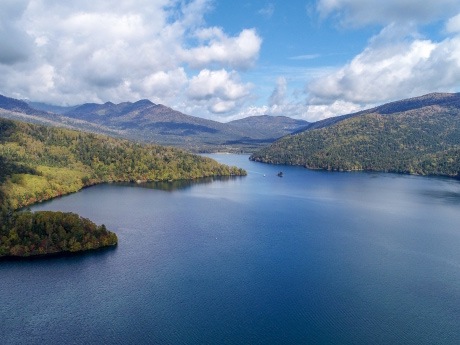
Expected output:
(455, 177)
(62, 254)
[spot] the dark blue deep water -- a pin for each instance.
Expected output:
(309, 258)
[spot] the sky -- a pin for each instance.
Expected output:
(224, 59)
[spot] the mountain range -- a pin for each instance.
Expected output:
(155, 123)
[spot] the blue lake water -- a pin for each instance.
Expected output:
(310, 258)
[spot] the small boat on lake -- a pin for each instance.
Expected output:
(280, 174)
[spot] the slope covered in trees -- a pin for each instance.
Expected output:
(28, 234)
(38, 163)
(424, 141)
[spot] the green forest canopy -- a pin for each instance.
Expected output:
(423, 143)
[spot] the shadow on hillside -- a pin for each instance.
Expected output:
(170, 186)
(7, 168)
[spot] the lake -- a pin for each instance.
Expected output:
(312, 257)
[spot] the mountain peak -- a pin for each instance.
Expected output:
(143, 102)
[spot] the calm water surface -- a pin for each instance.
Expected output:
(310, 258)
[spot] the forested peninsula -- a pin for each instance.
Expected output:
(38, 163)
(422, 141)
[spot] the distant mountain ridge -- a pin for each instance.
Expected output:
(15, 109)
(18, 106)
(432, 99)
(155, 123)
(419, 135)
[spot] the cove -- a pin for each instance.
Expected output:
(311, 257)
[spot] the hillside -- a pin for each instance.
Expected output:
(39, 162)
(416, 136)
(155, 123)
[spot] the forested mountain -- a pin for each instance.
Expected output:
(416, 136)
(155, 123)
(39, 162)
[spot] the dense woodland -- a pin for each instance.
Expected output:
(27, 234)
(38, 163)
(423, 142)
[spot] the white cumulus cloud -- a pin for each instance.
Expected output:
(388, 70)
(220, 50)
(453, 24)
(163, 84)
(222, 89)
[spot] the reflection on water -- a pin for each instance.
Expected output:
(71, 256)
(447, 197)
(170, 186)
